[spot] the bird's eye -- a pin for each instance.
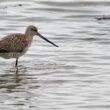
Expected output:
(33, 29)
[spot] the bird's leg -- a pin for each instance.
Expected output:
(16, 64)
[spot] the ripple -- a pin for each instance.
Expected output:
(75, 4)
(50, 78)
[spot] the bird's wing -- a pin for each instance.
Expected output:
(13, 43)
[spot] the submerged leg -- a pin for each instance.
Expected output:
(16, 64)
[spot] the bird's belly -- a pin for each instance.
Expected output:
(11, 55)
(8, 55)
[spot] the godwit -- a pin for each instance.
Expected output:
(17, 44)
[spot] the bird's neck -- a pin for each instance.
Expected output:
(29, 34)
(29, 37)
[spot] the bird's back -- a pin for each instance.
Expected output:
(13, 44)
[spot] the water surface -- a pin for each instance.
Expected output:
(74, 76)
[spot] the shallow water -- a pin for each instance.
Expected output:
(74, 76)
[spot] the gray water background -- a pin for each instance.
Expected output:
(74, 76)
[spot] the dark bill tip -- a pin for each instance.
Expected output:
(47, 40)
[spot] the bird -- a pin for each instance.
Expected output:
(16, 44)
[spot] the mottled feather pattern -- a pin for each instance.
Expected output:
(14, 43)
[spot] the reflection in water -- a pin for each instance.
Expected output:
(13, 78)
(11, 81)
(15, 86)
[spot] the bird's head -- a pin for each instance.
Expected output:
(32, 31)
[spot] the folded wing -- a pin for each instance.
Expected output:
(13, 43)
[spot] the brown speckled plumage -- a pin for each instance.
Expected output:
(15, 45)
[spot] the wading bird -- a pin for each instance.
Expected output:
(15, 45)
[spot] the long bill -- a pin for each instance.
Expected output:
(46, 39)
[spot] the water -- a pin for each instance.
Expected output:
(74, 76)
